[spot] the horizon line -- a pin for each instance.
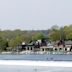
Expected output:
(32, 29)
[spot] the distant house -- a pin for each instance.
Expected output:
(59, 46)
(33, 46)
(68, 45)
(45, 46)
(63, 46)
(41, 42)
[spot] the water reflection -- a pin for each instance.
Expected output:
(33, 69)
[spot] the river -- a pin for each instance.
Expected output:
(22, 68)
(33, 69)
(37, 57)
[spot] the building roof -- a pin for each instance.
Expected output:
(68, 42)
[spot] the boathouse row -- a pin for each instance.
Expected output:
(44, 46)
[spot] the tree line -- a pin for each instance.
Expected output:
(9, 38)
(63, 33)
(14, 38)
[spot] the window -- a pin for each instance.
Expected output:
(47, 49)
(65, 49)
(42, 49)
(55, 49)
(31, 48)
(60, 48)
(28, 48)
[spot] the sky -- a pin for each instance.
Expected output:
(34, 14)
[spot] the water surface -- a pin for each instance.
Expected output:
(37, 57)
(20, 68)
(33, 69)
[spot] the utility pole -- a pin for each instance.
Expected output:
(61, 34)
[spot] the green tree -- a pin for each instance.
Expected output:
(54, 35)
(68, 32)
(3, 44)
(18, 40)
(36, 36)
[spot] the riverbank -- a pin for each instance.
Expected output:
(38, 52)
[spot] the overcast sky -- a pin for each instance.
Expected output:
(34, 14)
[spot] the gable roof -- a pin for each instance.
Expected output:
(68, 42)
